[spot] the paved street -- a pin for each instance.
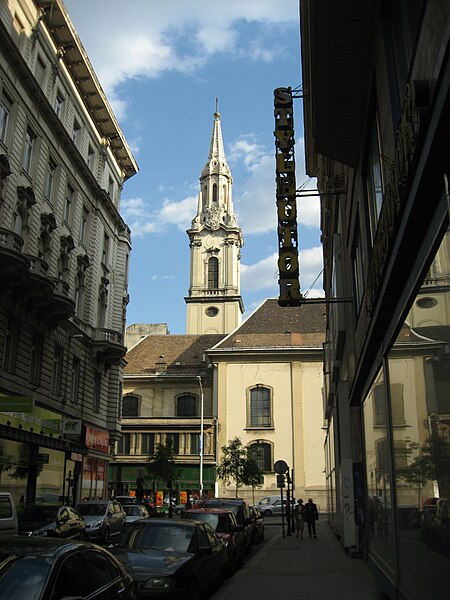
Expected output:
(287, 567)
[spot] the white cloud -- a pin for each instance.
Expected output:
(146, 40)
(178, 213)
(263, 275)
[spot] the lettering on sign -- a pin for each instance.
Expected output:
(288, 265)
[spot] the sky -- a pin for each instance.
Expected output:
(162, 65)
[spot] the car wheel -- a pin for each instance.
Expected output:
(261, 537)
(178, 511)
(231, 566)
(220, 579)
(268, 512)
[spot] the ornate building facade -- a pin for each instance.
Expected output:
(64, 252)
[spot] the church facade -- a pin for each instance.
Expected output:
(259, 380)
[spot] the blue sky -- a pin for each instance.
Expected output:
(162, 64)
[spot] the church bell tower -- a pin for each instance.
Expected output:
(214, 304)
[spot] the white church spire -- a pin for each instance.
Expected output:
(214, 304)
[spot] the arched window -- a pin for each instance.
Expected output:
(213, 273)
(130, 406)
(261, 452)
(187, 406)
(214, 198)
(260, 407)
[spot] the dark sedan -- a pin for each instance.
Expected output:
(173, 558)
(229, 532)
(49, 569)
(51, 521)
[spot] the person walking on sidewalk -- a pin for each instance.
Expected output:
(312, 516)
(299, 516)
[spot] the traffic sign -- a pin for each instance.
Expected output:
(280, 467)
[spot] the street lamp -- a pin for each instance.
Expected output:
(201, 437)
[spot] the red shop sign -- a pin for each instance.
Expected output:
(97, 439)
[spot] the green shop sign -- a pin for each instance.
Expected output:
(39, 420)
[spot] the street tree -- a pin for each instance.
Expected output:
(237, 465)
(162, 468)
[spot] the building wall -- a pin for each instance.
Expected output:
(64, 246)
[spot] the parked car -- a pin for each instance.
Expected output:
(241, 511)
(135, 512)
(172, 558)
(124, 500)
(39, 568)
(8, 514)
(271, 505)
(257, 525)
(51, 521)
(105, 519)
(225, 525)
(436, 525)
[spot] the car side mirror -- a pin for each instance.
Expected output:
(109, 514)
(205, 551)
(238, 528)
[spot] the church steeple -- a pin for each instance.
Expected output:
(214, 304)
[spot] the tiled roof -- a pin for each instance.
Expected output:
(173, 354)
(272, 326)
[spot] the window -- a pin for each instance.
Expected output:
(76, 368)
(36, 359)
(39, 70)
(357, 266)
(5, 111)
(397, 405)
(58, 355)
(70, 192)
(374, 180)
(124, 444)
(130, 406)
(97, 392)
(187, 406)
(147, 443)
(194, 446)
(68, 580)
(76, 132)
(59, 104)
(110, 187)
(214, 192)
(10, 345)
(28, 151)
(49, 179)
(90, 158)
(105, 249)
(261, 452)
(172, 439)
(260, 414)
(213, 273)
(84, 225)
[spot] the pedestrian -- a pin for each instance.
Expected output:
(188, 504)
(299, 516)
(312, 516)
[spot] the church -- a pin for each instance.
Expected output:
(259, 379)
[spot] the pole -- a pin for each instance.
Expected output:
(288, 502)
(201, 437)
(282, 510)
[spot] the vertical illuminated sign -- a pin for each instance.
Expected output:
(288, 265)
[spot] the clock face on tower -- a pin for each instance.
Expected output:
(212, 311)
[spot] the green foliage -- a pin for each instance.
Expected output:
(238, 465)
(430, 462)
(162, 466)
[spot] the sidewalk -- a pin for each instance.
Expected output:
(308, 569)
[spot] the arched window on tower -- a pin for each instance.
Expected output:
(213, 273)
(214, 192)
(224, 193)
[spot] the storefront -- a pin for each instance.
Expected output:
(95, 465)
(34, 459)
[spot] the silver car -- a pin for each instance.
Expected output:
(104, 519)
(271, 505)
(135, 512)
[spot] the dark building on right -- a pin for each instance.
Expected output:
(376, 107)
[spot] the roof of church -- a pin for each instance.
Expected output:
(272, 325)
(172, 354)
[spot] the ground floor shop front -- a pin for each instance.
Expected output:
(123, 481)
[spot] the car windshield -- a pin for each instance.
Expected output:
(132, 511)
(44, 514)
(23, 576)
(159, 536)
(233, 507)
(92, 509)
(219, 523)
